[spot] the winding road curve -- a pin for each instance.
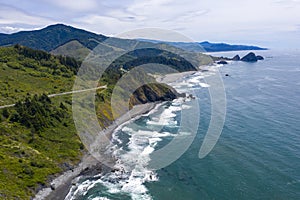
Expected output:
(61, 94)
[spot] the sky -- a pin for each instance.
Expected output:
(268, 23)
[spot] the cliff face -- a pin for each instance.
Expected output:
(153, 93)
(149, 93)
(44, 129)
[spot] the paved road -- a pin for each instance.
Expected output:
(7, 106)
(61, 94)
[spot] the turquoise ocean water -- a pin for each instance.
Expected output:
(256, 157)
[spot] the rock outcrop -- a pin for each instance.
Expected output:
(153, 93)
(236, 58)
(250, 57)
(260, 58)
(222, 62)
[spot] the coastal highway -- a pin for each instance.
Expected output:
(63, 93)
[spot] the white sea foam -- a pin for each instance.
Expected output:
(166, 118)
(100, 198)
(184, 134)
(204, 85)
(127, 129)
(133, 157)
(133, 172)
(80, 189)
(195, 80)
(132, 164)
(185, 107)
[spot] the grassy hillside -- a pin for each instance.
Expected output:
(65, 40)
(51, 37)
(73, 49)
(26, 72)
(207, 46)
(38, 139)
(37, 136)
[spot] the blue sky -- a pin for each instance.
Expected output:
(270, 23)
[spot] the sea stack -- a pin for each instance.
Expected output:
(236, 58)
(260, 58)
(222, 62)
(250, 57)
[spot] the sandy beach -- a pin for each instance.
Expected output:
(60, 186)
(169, 78)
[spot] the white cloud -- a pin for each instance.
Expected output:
(104, 24)
(9, 29)
(10, 15)
(200, 20)
(75, 5)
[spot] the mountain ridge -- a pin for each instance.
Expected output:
(56, 35)
(51, 37)
(207, 46)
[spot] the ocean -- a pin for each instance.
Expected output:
(256, 157)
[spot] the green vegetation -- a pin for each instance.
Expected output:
(151, 55)
(24, 72)
(65, 40)
(73, 49)
(37, 139)
(37, 136)
(52, 37)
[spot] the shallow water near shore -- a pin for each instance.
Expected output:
(256, 157)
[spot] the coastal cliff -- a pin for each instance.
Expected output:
(38, 137)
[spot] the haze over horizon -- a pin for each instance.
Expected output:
(268, 23)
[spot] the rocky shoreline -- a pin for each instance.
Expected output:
(60, 186)
(89, 166)
(250, 57)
